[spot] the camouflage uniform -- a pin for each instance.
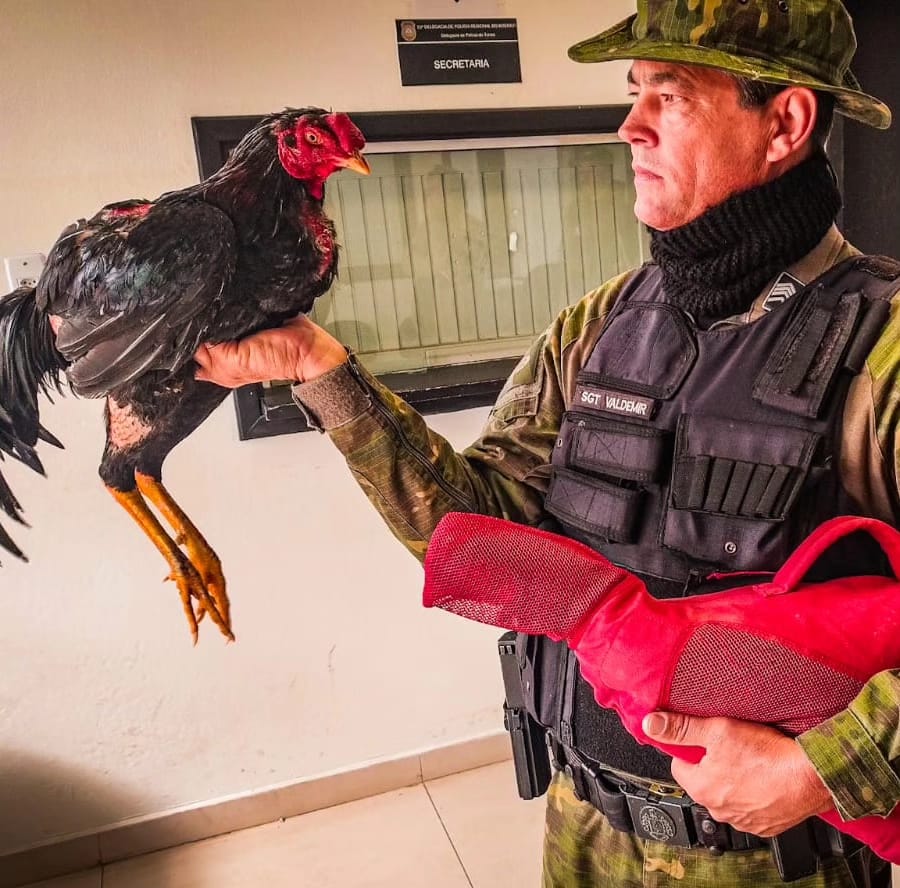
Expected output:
(583, 851)
(413, 476)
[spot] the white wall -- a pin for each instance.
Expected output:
(106, 711)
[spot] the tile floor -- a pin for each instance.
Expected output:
(469, 830)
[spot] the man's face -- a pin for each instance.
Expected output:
(692, 144)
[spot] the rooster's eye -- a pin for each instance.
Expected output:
(312, 137)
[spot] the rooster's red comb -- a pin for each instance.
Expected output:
(348, 134)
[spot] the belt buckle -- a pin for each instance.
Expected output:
(661, 818)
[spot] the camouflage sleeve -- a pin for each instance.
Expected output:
(857, 753)
(870, 446)
(413, 476)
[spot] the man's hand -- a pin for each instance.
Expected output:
(753, 777)
(299, 350)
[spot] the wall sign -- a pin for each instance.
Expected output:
(442, 51)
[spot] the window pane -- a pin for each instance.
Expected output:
(466, 255)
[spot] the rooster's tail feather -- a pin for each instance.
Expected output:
(29, 364)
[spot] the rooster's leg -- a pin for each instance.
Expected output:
(200, 552)
(183, 572)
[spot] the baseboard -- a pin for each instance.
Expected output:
(190, 824)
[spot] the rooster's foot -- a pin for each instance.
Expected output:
(203, 559)
(191, 588)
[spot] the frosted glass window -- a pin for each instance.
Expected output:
(459, 256)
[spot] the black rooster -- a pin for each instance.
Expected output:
(127, 297)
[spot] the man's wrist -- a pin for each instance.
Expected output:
(333, 397)
(312, 369)
(318, 353)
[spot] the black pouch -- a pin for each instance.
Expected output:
(615, 449)
(733, 484)
(595, 506)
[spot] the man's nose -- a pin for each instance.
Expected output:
(635, 129)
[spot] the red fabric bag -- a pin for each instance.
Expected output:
(780, 652)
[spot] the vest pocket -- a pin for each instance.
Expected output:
(616, 449)
(594, 506)
(733, 484)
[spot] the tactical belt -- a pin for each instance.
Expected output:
(652, 812)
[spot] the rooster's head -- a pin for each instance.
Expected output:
(313, 144)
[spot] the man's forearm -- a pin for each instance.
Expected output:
(412, 475)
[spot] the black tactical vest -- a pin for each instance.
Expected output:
(687, 452)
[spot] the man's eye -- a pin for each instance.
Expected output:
(669, 98)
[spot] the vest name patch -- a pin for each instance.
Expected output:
(614, 402)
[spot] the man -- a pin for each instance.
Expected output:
(742, 407)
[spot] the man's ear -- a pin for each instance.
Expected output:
(795, 111)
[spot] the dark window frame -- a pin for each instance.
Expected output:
(264, 411)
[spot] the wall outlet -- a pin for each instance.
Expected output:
(23, 271)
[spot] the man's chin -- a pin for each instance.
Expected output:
(653, 216)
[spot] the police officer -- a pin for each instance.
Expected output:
(746, 381)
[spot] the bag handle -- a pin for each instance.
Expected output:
(826, 535)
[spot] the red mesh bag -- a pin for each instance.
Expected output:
(783, 652)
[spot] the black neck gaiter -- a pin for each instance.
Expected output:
(716, 265)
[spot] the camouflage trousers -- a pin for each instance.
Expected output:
(581, 850)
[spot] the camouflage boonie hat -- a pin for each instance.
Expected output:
(795, 42)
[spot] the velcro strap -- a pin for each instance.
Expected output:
(759, 481)
(736, 494)
(767, 506)
(809, 354)
(806, 346)
(718, 484)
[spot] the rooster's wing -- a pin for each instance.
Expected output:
(137, 287)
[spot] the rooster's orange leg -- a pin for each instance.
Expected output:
(183, 572)
(199, 551)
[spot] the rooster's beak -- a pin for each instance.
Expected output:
(357, 163)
